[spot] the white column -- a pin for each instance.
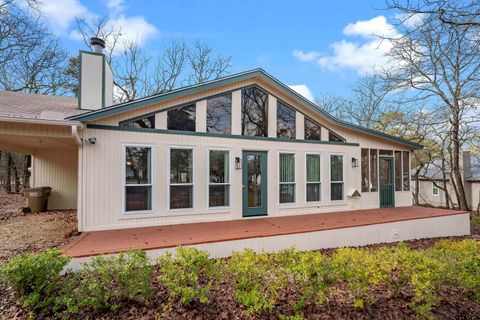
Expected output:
(161, 120)
(272, 116)
(201, 116)
(237, 112)
(299, 125)
(324, 134)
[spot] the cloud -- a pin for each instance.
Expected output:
(135, 28)
(410, 20)
(362, 55)
(304, 90)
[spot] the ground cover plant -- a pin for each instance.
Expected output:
(441, 281)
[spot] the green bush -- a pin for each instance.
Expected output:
(35, 276)
(187, 274)
(106, 281)
(257, 279)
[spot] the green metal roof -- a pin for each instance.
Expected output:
(135, 104)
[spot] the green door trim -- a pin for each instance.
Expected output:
(263, 209)
(387, 193)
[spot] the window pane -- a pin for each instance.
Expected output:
(336, 191)
(336, 168)
(182, 118)
(219, 166)
(181, 197)
(334, 137)
(287, 167)
(219, 195)
(287, 193)
(373, 170)
(398, 171)
(313, 167)
(365, 180)
(219, 114)
(181, 168)
(406, 171)
(312, 130)
(313, 191)
(147, 122)
(137, 165)
(385, 152)
(254, 112)
(138, 198)
(285, 121)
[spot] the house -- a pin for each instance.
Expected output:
(242, 147)
(432, 181)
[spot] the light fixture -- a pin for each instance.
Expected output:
(238, 164)
(354, 162)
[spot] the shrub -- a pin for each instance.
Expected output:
(257, 279)
(106, 281)
(360, 269)
(35, 276)
(187, 275)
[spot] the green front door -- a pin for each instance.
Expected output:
(254, 183)
(387, 186)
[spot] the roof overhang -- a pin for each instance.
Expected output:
(41, 121)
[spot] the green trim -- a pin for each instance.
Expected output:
(79, 101)
(255, 211)
(99, 114)
(384, 193)
(216, 135)
(103, 80)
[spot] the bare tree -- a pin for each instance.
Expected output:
(203, 65)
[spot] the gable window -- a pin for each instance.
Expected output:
(219, 114)
(287, 178)
(254, 112)
(406, 171)
(398, 170)
(334, 137)
(219, 181)
(181, 178)
(373, 170)
(146, 122)
(285, 121)
(138, 178)
(181, 118)
(336, 177)
(313, 178)
(312, 130)
(365, 171)
(435, 190)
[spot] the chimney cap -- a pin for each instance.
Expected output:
(94, 41)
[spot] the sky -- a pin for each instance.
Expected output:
(317, 47)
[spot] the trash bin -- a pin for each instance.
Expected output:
(37, 198)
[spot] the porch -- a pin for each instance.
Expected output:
(305, 232)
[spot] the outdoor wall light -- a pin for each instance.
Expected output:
(238, 164)
(92, 140)
(354, 162)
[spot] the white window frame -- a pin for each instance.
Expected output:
(321, 176)
(229, 184)
(124, 178)
(192, 184)
(280, 183)
(344, 182)
(434, 187)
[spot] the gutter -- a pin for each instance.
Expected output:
(39, 121)
(75, 134)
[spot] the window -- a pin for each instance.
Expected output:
(181, 118)
(219, 114)
(385, 152)
(254, 112)
(313, 178)
(334, 137)
(365, 171)
(219, 182)
(435, 190)
(312, 130)
(138, 178)
(398, 171)
(373, 170)
(181, 178)
(336, 177)
(147, 122)
(285, 121)
(287, 178)
(406, 171)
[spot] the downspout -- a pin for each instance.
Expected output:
(78, 142)
(76, 135)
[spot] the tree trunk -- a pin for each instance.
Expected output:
(8, 177)
(445, 185)
(26, 173)
(16, 177)
(456, 170)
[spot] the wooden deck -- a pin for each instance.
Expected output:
(149, 238)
